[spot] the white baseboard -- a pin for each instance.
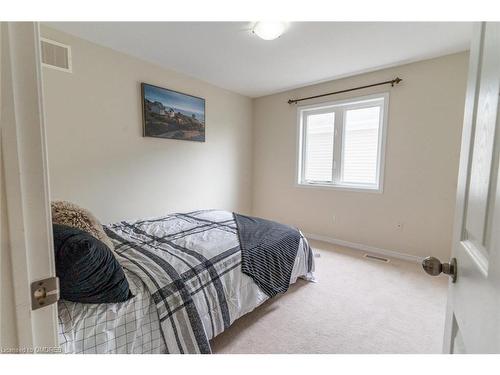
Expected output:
(365, 248)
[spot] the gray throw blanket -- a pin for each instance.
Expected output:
(268, 252)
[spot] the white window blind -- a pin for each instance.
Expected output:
(319, 147)
(341, 143)
(361, 145)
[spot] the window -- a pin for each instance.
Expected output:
(342, 143)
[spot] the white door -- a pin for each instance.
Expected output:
(25, 221)
(473, 314)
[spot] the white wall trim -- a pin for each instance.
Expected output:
(25, 174)
(366, 248)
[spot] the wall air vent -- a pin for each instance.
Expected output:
(55, 55)
(376, 257)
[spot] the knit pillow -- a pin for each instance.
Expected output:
(67, 213)
(88, 271)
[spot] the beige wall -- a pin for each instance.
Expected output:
(423, 139)
(99, 159)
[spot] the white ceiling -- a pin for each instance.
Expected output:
(228, 55)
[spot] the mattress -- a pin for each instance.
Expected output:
(135, 326)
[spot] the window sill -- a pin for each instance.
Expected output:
(352, 188)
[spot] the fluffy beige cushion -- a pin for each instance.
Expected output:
(67, 213)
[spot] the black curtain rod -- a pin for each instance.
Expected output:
(393, 82)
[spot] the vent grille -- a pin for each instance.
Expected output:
(56, 55)
(376, 257)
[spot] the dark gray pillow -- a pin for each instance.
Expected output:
(87, 269)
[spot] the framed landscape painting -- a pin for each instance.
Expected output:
(171, 114)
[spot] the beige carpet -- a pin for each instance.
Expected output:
(357, 306)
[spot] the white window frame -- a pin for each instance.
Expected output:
(339, 107)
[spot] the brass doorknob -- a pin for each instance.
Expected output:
(434, 267)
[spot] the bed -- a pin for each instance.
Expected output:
(191, 290)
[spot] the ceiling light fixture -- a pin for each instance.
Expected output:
(269, 30)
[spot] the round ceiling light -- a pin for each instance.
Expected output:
(269, 30)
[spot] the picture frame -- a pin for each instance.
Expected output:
(172, 114)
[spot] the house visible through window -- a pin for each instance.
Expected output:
(341, 143)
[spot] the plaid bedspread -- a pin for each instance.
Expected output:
(182, 259)
(185, 273)
(112, 328)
